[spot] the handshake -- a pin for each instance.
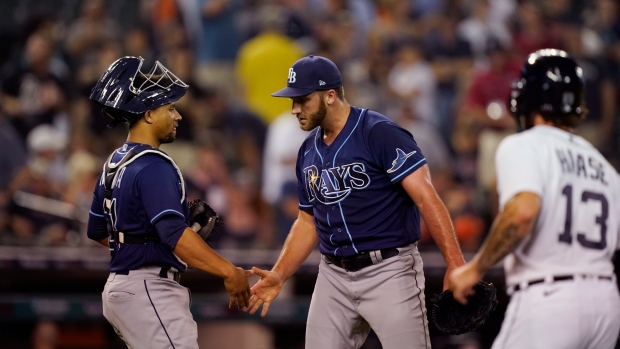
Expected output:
(204, 221)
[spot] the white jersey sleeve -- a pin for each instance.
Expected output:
(517, 169)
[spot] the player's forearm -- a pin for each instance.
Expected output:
(300, 242)
(104, 242)
(509, 229)
(195, 252)
(439, 224)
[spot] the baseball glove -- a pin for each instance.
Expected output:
(452, 317)
(203, 219)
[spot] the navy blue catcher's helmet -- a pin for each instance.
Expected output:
(551, 83)
(126, 92)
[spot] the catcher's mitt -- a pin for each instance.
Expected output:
(451, 317)
(203, 219)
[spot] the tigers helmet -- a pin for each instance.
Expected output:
(126, 92)
(552, 84)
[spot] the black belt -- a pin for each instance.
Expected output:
(163, 273)
(360, 260)
(134, 239)
(517, 287)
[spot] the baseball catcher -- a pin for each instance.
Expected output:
(452, 317)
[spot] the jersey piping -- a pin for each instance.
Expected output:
(316, 139)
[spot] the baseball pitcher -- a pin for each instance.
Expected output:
(363, 184)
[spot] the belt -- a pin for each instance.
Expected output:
(518, 287)
(134, 239)
(163, 273)
(362, 260)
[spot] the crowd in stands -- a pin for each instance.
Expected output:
(442, 69)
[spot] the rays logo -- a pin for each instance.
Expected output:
(401, 157)
(335, 184)
(292, 76)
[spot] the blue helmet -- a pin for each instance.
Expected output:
(125, 92)
(552, 84)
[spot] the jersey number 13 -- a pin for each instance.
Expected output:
(600, 220)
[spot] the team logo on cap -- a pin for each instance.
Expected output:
(291, 76)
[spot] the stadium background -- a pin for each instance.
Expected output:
(441, 69)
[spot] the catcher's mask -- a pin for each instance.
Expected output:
(126, 92)
(551, 83)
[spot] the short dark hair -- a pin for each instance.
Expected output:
(339, 92)
(564, 120)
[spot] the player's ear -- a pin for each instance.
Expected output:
(148, 117)
(330, 96)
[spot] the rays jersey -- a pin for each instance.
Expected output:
(352, 186)
(577, 228)
(148, 189)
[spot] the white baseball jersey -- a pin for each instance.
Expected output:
(578, 226)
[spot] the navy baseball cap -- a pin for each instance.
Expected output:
(309, 74)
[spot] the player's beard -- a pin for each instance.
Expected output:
(315, 119)
(169, 137)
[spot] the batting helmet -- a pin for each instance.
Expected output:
(126, 92)
(551, 84)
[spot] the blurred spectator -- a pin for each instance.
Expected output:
(181, 61)
(483, 108)
(136, 43)
(52, 29)
(559, 15)
(392, 24)
(33, 95)
(221, 40)
(89, 30)
(230, 195)
(12, 159)
(482, 122)
(432, 144)
(600, 92)
(451, 60)
(279, 185)
(478, 29)
(601, 16)
(243, 129)
(532, 32)
(354, 17)
(36, 213)
(263, 63)
(334, 34)
(83, 170)
(164, 22)
(294, 17)
(412, 81)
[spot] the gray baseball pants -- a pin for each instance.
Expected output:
(148, 311)
(387, 297)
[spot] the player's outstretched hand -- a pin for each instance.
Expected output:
(462, 281)
(264, 291)
(238, 288)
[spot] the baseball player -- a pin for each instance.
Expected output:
(559, 219)
(141, 197)
(362, 184)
